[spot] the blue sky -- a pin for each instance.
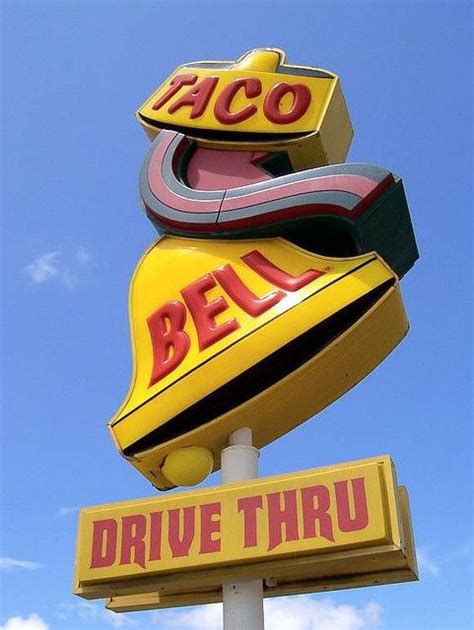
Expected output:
(72, 232)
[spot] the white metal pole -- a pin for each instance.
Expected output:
(243, 599)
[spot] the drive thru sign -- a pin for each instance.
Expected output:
(348, 518)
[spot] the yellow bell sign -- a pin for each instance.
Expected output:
(274, 289)
(348, 522)
(255, 333)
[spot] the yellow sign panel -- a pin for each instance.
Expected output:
(221, 332)
(347, 508)
(308, 574)
(257, 100)
(167, 105)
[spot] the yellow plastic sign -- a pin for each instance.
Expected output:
(257, 100)
(316, 515)
(246, 333)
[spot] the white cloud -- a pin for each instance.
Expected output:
(50, 266)
(65, 511)
(54, 266)
(96, 612)
(11, 563)
(305, 613)
(33, 622)
(426, 564)
(83, 256)
(44, 267)
(209, 617)
(283, 613)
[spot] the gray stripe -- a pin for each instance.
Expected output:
(214, 65)
(301, 72)
(305, 72)
(339, 198)
(374, 173)
(152, 204)
(333, 197)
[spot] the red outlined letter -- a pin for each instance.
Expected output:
(252, 88)
(105, 530)
(156, 519)
(133, 534)
(242, 295)
(311, 513)
(210, 526)
(204, 312)
(301, 101)
(277, 517)
(176, 84)
(197, 97)
(361, 514)
(180, 537)
(281, 279)
(170, 342)
(249, 506)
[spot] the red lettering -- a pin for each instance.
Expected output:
(170, 342)
(180, 536)
(104, 543)
(252, 88)
(312, 513)
(133, 533)
(176, 84)
(209, 526)
(204, 312)
(249, 506)
(277, 516)
(197, 97)
(261, 265)
(242, 295)
(361, 516)
(301, 100)
(155, 535)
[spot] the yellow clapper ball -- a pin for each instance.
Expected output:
(188, 466)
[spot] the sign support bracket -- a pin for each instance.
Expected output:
(243, 599)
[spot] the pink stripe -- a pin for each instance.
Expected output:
(355, 184)
(168, 197)
(211, 169)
